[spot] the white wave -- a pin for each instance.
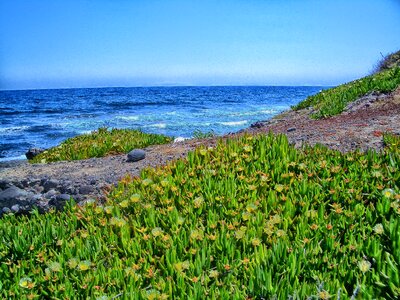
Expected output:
(180, 139)
(21, 157)
(157, 125)
(233, 123)
(13, 128)
(128, 118)
(253, 113)
(85, 131)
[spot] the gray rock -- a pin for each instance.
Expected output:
(50, 184)
(36, 198)
(6, 210)
(291, 129)
(15, 208)
(258, 124)
(59, 201)
(63, 197)
(136, 155)
(86, 189)
(5, 184)
(50, 194)
(13, 195)
(32, 152)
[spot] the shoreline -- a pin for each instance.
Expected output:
(360, 126)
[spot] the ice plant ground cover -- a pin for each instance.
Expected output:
(251, 218)
(333, 101)
(100, 143)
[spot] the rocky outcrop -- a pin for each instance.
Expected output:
(32, 152)
(20, 197)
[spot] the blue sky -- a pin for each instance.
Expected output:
(91, 43)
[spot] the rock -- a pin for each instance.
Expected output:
(5, 184)
(258, 124)
(6, 210)
(50, 194)
(59, 201)
(13, 195)
(50, 184)
(15, 208)
(36, 198)
(63, 197)
(86, 189)
(291, 129)
(32, 152)
(136, 155)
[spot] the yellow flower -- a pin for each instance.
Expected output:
(25, 282)
(117, 221)
(54, 266)
(164, 182)
(364, 265)
(280, 233)
(251, 207)
(388, 193)
(135, 198)
(247, 148)
(196, 235)
(239, 234)
(198, 202)
(323, 295)
(378, 228)
(279, 188)
(99, 209)
(72, 263)
(246, 216)
(182, 266)
(214, 274)
(256, 242)
(276, 219)
(124, 204)
(147, 181)
(203, 152)
(108, 209)
(84, 265)
(157, 231)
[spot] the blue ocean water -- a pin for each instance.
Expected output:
(43, 118)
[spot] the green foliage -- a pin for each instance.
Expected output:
(198, 134)
(100, 143)
(250, 218)
(333, 101)
(390, 61)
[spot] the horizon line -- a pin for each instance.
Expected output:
(164, 86)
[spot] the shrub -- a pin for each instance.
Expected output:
(100, 143)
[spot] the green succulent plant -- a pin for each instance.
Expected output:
(251, 218)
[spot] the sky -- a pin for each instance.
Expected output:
(99, 43)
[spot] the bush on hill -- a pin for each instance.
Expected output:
(389, 61)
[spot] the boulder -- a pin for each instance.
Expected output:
(136, 155)
(14, 195)
(86, 189)
(32, 152)
(50, 184)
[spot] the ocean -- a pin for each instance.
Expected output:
(44, 118)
